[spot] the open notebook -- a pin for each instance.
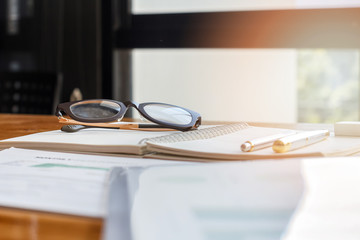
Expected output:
(209, 143)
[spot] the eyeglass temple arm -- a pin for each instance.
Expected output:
(129, 126)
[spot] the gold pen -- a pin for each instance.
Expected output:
(299, 140)
(263, 142)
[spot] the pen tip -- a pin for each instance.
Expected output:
(246, 147)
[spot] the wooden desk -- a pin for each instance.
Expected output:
(26, 224)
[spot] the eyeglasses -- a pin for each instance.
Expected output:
(103, 113)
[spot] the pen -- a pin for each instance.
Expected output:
(263, 142)
(299, 140)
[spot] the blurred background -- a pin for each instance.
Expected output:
(261, 61)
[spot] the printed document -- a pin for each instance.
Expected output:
(237, 200)
(59, 182)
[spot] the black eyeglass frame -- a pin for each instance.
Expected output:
(124, 106)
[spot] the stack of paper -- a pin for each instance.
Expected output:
(330, 208)
(224, 201)
(59, 182)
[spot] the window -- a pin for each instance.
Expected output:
(176, 6)
(328, 85)
(267, 84)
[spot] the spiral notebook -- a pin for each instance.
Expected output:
(223, 143)
(208, 143)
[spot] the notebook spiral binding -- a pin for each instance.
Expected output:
(204, 133)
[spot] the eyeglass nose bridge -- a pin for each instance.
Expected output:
(131, 104)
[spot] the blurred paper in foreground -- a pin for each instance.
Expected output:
(243, 200)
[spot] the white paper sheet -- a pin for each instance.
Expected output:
(219, 201)
(331, 205)
(59, 182)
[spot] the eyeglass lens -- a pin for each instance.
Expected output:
(95, 109)
(168, 113)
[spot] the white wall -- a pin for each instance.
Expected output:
(171, 6)
(167, 6)
(327, 3)
(232, 84)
